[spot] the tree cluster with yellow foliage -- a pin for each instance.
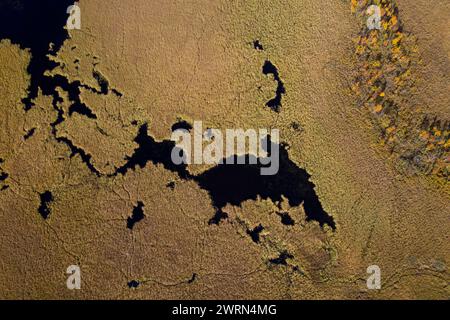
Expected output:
(387, 58)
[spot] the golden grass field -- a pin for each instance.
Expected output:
(377, 152)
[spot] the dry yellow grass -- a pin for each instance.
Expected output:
(195, 60)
